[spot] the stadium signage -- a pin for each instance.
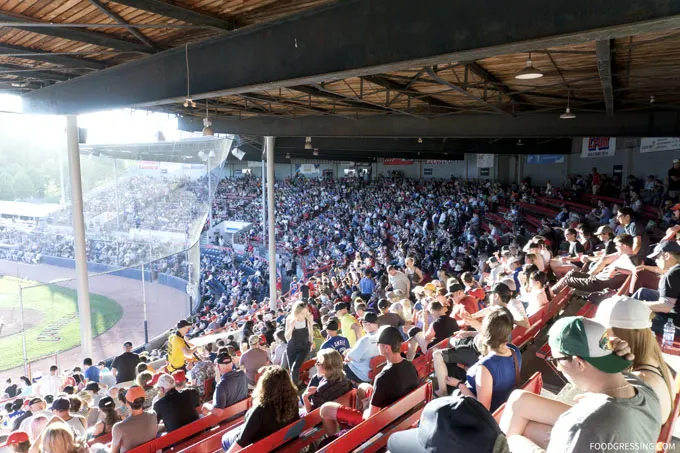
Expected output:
(398, 162)
(654, 144)
(535, 159)
(598, 147)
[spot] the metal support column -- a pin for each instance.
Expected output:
(115, 192)
(272, 230)
(264, 200)
(210, 193)
(79, 236)
(146, 323)
(23, 330)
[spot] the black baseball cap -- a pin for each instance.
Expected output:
(223, 358)
(61, 404)
(665, 246)
(371, 317)
(183, 323)
(500, 288)
(390, 336)
(92, 386)
(106, 403)
(413, 331)
(452, 423)
(35, 400)
(332, 325)
(339, 306)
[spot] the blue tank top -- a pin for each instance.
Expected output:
(502, 369)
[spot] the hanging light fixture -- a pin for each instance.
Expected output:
(188, 102)
(316, 152)
(211, 154)
(207, 124)
(529, 72)
(519, 142)
(287, 155)
(308, 143)
(568, 114)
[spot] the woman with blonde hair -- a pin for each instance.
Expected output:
(330, 381)
(300, 336)
(57, 437)
(275, 405)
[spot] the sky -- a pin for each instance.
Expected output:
(111, 127)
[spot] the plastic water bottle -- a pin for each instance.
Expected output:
(668, 334)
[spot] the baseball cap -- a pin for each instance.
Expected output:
(92, 386)
(418, 290)
(413, 331)
(371, 317)
(223, 359)
(154, 379)
(676, 161)
(179, 376)
(60, 404)
(339, 306)
(106, 403)
(390, 336)
(510, 283)
(383, 303)
(500, 288)
(15, 438)
(166, 381)
(624, 312)
(604, 229)
(585, 338)
(183, 323)
(134, 393)
(35, 400)
(332, 325)
(452, 423)
(676, 207)
(664, 246)
(253, 340)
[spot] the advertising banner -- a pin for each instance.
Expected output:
(398, 162)
(307, 169)
(598, 147)
(484, 160)
(654, 144)
(149, 165)
(535, 159)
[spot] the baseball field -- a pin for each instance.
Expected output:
(50, 319)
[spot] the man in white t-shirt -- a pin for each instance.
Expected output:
(51, 384)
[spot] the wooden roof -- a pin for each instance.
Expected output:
(644, 68)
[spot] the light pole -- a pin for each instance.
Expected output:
(23, 330)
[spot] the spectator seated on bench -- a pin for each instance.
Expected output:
(453, 423)
(397, 379)
(584, 354)
(275, 405)
(232, 387)
(664, 301)
(495, 374)
(330, 381)
(358, 359)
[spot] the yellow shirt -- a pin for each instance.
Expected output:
(346, 323)
(176, 345)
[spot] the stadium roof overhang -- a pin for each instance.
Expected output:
(382, 68)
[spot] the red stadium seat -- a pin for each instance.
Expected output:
(205, 426)
(377, 364)
(533, 385)
(371, 435)
(522, 336)
(304, 370)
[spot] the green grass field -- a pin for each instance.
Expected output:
(57, 329)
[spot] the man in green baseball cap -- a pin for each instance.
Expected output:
(618, 408)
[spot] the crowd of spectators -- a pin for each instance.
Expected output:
(412, 261)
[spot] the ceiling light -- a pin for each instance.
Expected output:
(211, 154)
(308, 143)
(568, 114)
(287, 155)
(207, 125)
(420, 140)
(316, 152)
(519, 142)
(529, 72)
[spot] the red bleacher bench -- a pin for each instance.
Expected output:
(377, 364)
(371, 435)
(522, 336)
(534, 385)
(194, 431)
(549, 212)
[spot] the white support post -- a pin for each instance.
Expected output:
(79, 236)
(272, 229)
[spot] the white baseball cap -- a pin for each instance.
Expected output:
(624, 312)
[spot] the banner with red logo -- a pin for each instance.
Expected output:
(598, 147)
(398, 162)
(149, 165)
